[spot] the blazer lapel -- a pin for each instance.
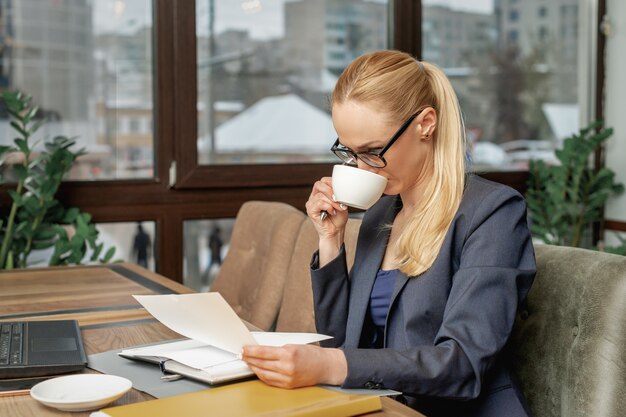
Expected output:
(364, 276)
(401, 280)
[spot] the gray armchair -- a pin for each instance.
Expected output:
(570, 339)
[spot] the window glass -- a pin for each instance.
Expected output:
(206, 244)
(515, 77)
(87, 64)
(133, 241)
(265, 72)
(131, 244)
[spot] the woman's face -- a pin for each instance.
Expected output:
(409, 160)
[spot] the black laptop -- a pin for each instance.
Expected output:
(34, 348)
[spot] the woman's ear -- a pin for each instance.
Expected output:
(428, 123)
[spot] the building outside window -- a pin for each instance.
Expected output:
(88, 66)
(516, 80)
(275, 64)
(543, 11)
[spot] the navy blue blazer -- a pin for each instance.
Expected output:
(446, 329)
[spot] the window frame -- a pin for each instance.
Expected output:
(404, 19)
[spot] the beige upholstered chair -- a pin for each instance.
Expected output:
(296, 309)
(570, 340)
(253, 274)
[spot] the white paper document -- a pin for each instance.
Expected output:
(205, 317)
(216, 336)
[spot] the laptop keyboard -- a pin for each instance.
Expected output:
(11, 343)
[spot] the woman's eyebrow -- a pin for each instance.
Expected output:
(372, 145)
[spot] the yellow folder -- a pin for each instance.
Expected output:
(253, 399)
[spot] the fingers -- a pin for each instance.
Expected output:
(288, 366)
(278, 359)
(262, 352)
(272, 378)
(323, 203)
(272, 369)
(321, 200)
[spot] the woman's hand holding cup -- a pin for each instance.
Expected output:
(331, 224)
(327, 205)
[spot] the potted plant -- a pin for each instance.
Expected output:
(565, 199)
(36, 219)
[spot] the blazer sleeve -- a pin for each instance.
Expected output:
(331, 287)
(496, 269)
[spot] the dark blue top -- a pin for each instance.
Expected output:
(379, 303)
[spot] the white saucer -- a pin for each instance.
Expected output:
(80, 392)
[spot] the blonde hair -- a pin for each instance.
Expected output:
(400, 86)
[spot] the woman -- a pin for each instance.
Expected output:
(442, 260)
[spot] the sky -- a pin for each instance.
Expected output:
(263, 18)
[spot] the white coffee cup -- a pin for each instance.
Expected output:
(356, 187)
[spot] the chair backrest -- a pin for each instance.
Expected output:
(569, 340)
(296, 309)
(253, 273)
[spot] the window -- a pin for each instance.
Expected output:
(265, 71)
(133, 241)
(130, 244)
(88, 63)
(206, 245)
(516, 80)
(134, 125)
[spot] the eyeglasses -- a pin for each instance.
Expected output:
(373, 158)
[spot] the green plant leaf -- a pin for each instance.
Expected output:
(30, 114)
(81, 226)
(86, 217)
(22, 229)
(22, 145)
(43, 244)
(20, 171)
(96, 252)
(5, 149)
(70, 215)
(16, 197)
(31, 204)
(20, 129)
(35, 127)
(109, 255)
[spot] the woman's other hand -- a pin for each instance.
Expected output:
(331, 229)
(294, 366)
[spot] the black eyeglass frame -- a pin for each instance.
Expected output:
(336, 149)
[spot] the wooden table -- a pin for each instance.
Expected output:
(99, 297)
